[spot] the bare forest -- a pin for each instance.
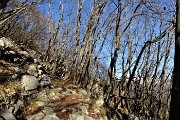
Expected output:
(126, 48)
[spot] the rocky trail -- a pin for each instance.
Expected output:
(27, 92)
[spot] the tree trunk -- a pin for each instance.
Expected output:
(175, 97)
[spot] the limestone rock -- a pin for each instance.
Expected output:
(32, 70)
(7, 115)
(29, 82)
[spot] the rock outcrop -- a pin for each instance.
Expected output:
(28, 92)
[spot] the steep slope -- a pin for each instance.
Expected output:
(27, 91)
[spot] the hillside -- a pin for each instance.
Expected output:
(27, 92)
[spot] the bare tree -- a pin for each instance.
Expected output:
(175, 105)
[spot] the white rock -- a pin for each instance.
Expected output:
(32, 70)
(12, 52)
(35, 60)
(23, 53)
(4, 42)
(84, 110)
(29, 82)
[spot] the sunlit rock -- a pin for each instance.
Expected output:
(4, 42)
(32, 69)
(24, 53)
(7, 115)
(29, 82)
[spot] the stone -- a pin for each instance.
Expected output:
(45, 114)
(84, 109)
(88, 118)
(38, 116)
(24, 53)
(4, 42)
(51, 117)
(12, 52)
(42, 95)
(32, 69)
(45, 80)
(18, 106)
(83, 92)
(40, 103)
(29, 82)
(35, 60)
(77, 116)
(15, 76)
(48, 110)
(53, 95)
(7, 115)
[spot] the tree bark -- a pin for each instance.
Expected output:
(175, 97)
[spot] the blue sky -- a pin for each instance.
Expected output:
(71, 7)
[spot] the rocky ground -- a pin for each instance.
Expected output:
(28, 93)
